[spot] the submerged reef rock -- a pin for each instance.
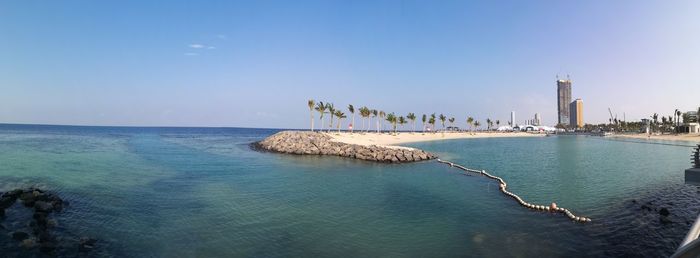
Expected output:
(316, 143)
(31, 231)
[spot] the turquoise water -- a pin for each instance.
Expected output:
(202, 192)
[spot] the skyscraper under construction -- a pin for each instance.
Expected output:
(563, 100)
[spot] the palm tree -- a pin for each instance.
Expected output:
(477, 124)
(425, 118)
(678, 118)
(412, 117)
(452, 122)
(340, 115)
(498, 122)
(392, 120)
(402, 121)
(433, 119)
(312, 103)
(364, 112)
(488, 124)
(442, 120)
(382, 115)
(331, 111)
(321, 108)
(375, 113)
(352, 111)
(470, 122)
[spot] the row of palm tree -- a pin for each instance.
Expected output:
(367, 114)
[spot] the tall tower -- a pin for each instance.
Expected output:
(576, 108)
(512, 118)
(563, 100)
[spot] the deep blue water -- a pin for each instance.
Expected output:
(202, 192)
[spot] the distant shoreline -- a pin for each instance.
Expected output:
(388, 139)
(664, 137)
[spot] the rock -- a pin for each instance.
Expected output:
(645, 207)
(665, 220)
(28, 243)
(47, 247)
(664, 212)
(315, 143)
(6, 202)
(43, 206)
(19, 235)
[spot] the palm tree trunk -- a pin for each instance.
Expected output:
(321, 125)
(352, 129)
(312, 121)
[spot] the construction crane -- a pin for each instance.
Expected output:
(613, 120)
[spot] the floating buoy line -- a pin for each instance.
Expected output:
(502, 186)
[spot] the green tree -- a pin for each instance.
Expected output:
(375, 113)
(364, 113)
(470, 122)
(391, 118)
(477, 124)
(432, 121)
(425, 119)
(488, 124)
(312, 103)
(442, 121)
(412, 117)
(382, 115)
(340, 115)
(321, 108)
(351, 108)
(331, 112)
(452, 122)
(402, 121)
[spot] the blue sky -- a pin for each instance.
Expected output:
(255, 63)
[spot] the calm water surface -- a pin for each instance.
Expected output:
(185, 192)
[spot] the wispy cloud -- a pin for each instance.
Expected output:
(221, 36)
(211, 47)
(191, 54)
(197, 46)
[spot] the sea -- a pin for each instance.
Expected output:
(204, 192)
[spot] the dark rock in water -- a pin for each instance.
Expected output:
(19, 235)
(645, 207)
(43, 206)
(47, 247)
(664, 212)
(665, 220)
(2, 213)
(87, 244)
(28, 243)
(7, 201)
(634, 200)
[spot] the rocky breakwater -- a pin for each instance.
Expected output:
(316, 143)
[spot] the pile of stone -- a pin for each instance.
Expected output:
(315, 143)
(43, 204)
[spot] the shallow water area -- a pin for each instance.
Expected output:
(203, 192)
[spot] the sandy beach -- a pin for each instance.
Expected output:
(665, 137)
(386, 139)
